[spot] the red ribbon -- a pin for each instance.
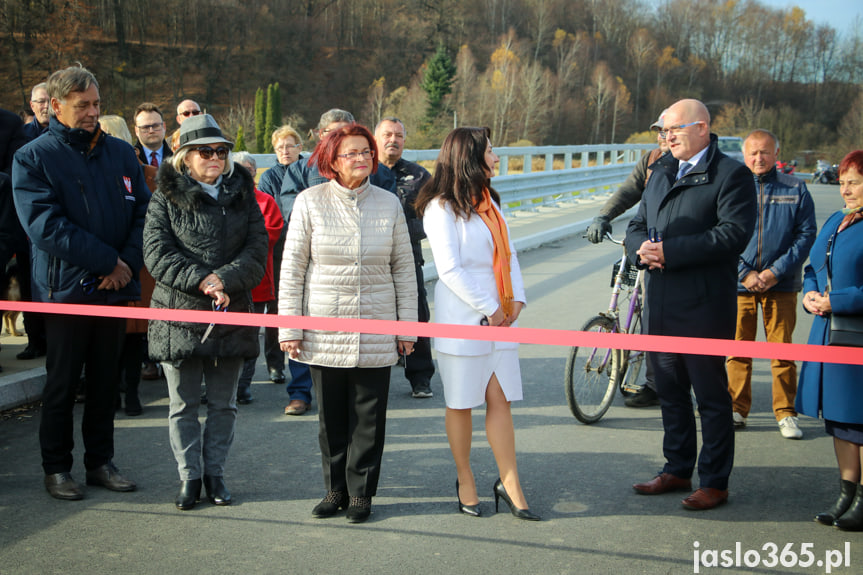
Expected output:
(568, 338)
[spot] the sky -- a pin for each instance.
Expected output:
(839, 14)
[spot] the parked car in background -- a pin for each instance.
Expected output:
(732, 147)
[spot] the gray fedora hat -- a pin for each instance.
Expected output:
(201, 130)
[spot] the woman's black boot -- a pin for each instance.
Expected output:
(190, 493)
(852, 520)
(217, 491)
(847, 490)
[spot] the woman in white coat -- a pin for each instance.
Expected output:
(480, 282)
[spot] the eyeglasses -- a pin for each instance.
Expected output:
(188, 113)
(676, 130)
(206, 152)
(286, 147)
(40, 102)
(151, 127)
(350, 156)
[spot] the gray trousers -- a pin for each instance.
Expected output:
(184, 389)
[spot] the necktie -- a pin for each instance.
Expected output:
(153, 161)
(684, 169)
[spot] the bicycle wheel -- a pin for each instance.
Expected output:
(631, 363)
(589, 379)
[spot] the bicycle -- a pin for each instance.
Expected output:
(593, 376)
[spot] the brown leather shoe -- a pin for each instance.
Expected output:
(705, 498)
(297, 407)
(663, 483)
(62, 486)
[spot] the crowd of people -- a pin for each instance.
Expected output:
(178, 223)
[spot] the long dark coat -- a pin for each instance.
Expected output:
(706, 219)
(189, 235)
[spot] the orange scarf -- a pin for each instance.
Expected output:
(494, 220)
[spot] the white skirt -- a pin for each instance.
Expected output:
(465, 377)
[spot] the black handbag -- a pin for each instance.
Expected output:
(845, 330)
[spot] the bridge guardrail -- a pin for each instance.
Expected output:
(599, 167)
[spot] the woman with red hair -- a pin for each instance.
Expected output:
(348, 255)
(833, 287)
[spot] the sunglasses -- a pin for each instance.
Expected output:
(188, 113)
(206, 152)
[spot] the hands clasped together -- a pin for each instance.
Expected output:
(213, 287)
(759, 282)
(817, 303)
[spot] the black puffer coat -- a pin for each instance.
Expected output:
(189, 235)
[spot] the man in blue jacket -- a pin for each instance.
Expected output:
(770, 273)
(81, 197)
(696, 215)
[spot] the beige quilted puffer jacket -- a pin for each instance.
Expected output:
(347, 254)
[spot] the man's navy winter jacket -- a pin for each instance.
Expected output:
(82, 199)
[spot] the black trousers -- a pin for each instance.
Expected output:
(675, 375)
(419, 367)
(352, 416)
(272, 352)
(34, 323)
(93, 343)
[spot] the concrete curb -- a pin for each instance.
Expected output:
(22, 387)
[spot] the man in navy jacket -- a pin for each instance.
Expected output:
(696, 216)
(769, 274)
(81, 197)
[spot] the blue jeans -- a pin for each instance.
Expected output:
(300, 386)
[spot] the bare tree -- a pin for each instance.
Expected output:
(600, 92)
(641, 50)
(534, 98)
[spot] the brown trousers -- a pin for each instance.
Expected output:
(779, 311)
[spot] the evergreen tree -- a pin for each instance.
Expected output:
(268, 134)
(437, 82)
(240, 145)
(260, 125)
(277, 106)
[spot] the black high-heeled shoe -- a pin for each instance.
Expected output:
(217, 491)
(190, 493)
(472, 510)
(500, 493)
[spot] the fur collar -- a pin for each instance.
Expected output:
(187, 194)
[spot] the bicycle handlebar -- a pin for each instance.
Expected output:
(610, 238)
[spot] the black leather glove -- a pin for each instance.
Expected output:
(597, 230)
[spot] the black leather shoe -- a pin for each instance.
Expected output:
(359, 509)
(646, 397)
(30, 352)
(245, 399)
(189, 495)
(852, 519)
(472, 510)
(500, 493)
(217, 491)
(62, 486)
(847, 491)
(108, 476)
(330, 504)
(277, 375)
